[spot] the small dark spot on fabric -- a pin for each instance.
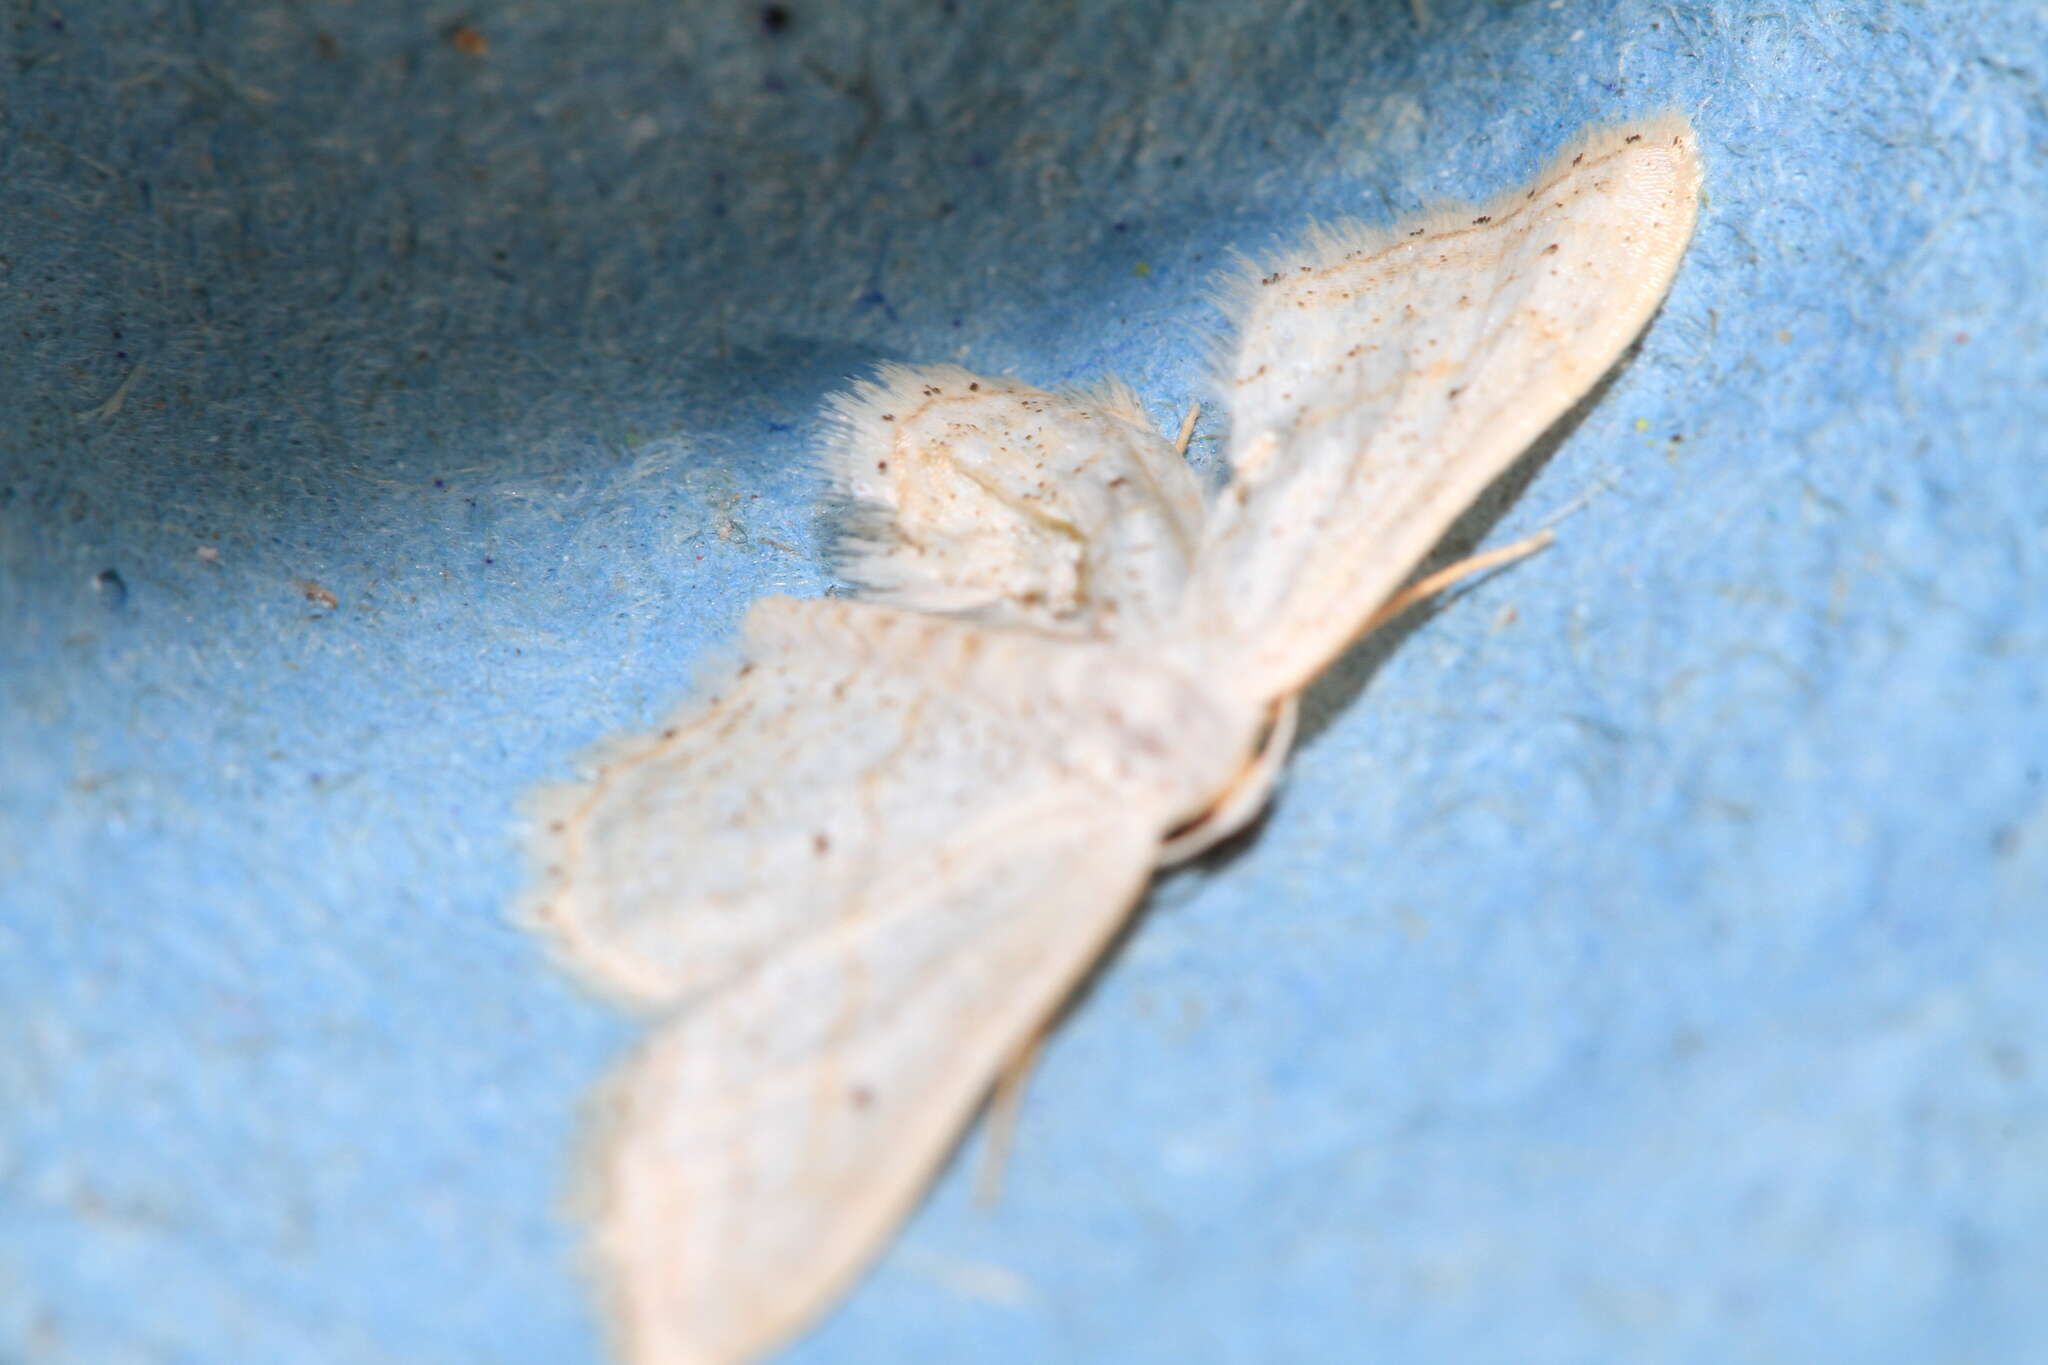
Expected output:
(822, 844)
(860, 1097)
(326, 46)
(881, 466)
(1550, 250)
(775, 20)
(1633, 137)
(467, 39)
(974, 388)
(1482, 218)
(669, 733)
(556, 827)
(888, 417)
(109, 585)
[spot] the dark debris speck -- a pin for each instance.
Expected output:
(113, 590)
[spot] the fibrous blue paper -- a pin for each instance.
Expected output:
(1642, 960)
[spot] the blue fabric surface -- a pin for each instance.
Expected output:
(1643, 961)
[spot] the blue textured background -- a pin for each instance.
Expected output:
(1643, 961)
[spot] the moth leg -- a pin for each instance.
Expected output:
(1003, 1107)
(1452, 575)
(1246, 796)
(1243, 799)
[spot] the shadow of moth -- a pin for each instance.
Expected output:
(866, 865)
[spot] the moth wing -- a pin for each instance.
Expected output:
(754, 1156)
(974, 495)
(849, 743)
(1384, 379)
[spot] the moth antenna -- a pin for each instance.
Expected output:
(1454, 574)
(1187, 429)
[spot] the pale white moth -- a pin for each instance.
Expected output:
(860, 872)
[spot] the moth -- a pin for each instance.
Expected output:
(858, 874)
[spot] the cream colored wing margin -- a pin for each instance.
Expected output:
(1383, 380)
(755, 1155)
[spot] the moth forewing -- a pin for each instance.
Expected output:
(975, 495)
(1384, 378)
(1009, 795)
